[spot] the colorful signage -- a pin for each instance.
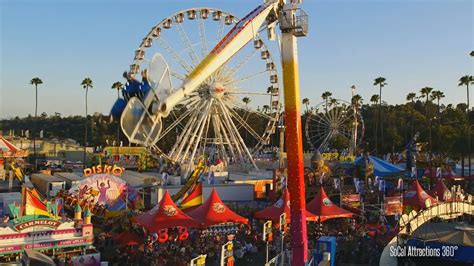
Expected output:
(104, 169)
(334, 156)
(47, 245)
(392, 206)
(39, 222)
(105, 189)
(10, 249)
(352, 200)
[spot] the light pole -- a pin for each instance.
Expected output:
(282, 232)
(267, 236)
(227, 253)
(199, 260)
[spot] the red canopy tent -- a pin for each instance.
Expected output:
(325, 209)
(129, 239)
(438, 190)
(164, 215)
(416, 197)
(446, 172)
(282, 205)
(214, 211)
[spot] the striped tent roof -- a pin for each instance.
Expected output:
(381, 167)
(6, 146)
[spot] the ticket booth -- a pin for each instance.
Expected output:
(326, 249)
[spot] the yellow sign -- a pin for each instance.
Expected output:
(334, 156)
(105, 169)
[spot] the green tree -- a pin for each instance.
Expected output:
(86, 84)
(35, 82)
(306, 102)
(380, 81)
(466, 81)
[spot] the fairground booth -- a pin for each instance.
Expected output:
(41, 225)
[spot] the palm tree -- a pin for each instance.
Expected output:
(35, 82)
(265, 108)
(246, 100)
(411, 98)
(380, 81)
(356, 100)
(374, 100)
(466, 81)
(326, 95)
(425, 92)
(86, 84)
(306, 102)
(437, 95)
(118, 86)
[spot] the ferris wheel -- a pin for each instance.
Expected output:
(334, 125)
(218, 116)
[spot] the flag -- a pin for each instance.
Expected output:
(337, 183)
(194, 198)
(438, 172)
(413, 172)
(41, 134)
(27, 134)
(34, 205)
(59, 205)
(400, 184)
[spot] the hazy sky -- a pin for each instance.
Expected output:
(412, 44)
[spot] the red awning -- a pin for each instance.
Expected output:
(416, 197)
(129, 239)
(164, 215)
(7, 146)
(214, 211)
(281, 206)
(325, 209)
(438, 190)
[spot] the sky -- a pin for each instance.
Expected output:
(412, 43)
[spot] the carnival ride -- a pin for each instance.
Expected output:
(206, 94)
(409, 223)
(334, 124)
(209, 108)
(190, 181)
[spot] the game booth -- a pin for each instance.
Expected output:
(36, 224)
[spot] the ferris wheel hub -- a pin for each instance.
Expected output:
(216, 90)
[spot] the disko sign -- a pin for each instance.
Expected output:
(39, 222)
(104, 169)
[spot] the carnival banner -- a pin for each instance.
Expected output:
(392, 206)
(352, 200)
(105, 189)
